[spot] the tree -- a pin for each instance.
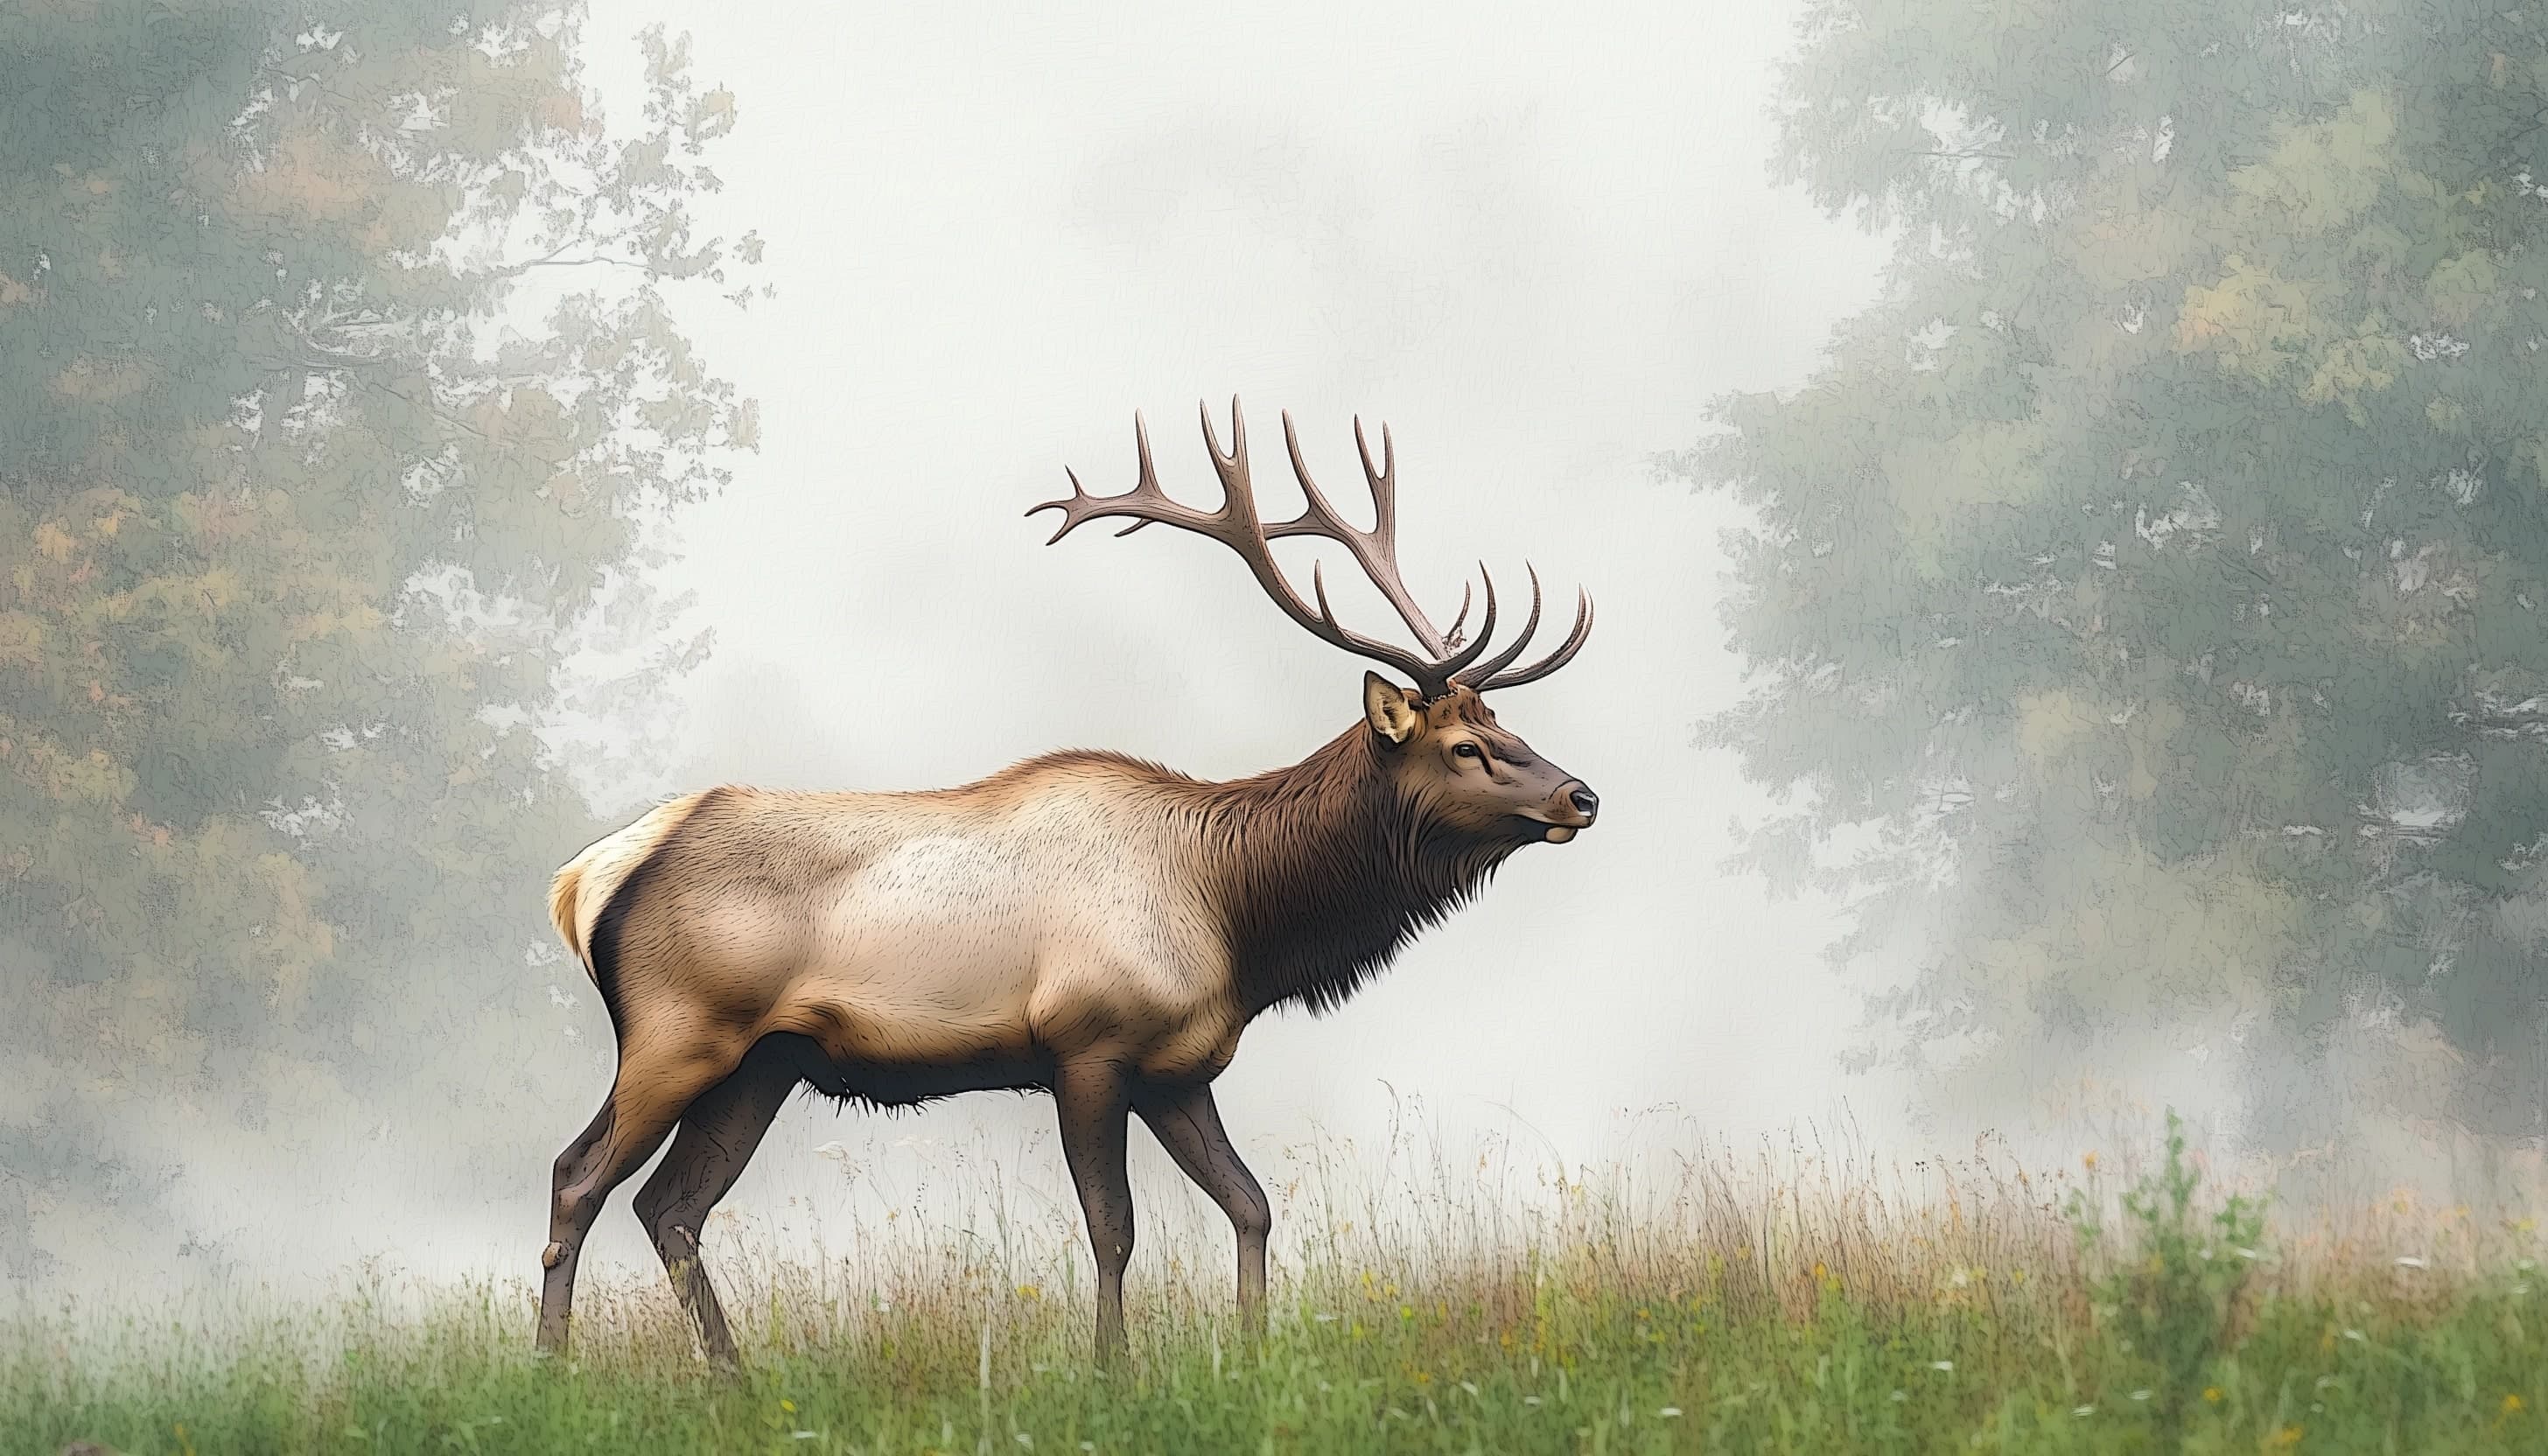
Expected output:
(2144, 606)
(296, 541)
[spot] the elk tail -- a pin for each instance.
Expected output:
(589, 894)
(562, 910)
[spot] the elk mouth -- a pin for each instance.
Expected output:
(1570, 809)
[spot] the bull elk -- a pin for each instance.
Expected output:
(1083, 922)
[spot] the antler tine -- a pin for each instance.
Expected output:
(1564, 653)
(1487, 670)
(1150, 474)
(1451, 638)
(1450, 666)
(1237, 485)
(1384, 489)
(1319, 519)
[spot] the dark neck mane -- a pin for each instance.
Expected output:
(1327, 873)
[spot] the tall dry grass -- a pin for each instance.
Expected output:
(1798, 1294)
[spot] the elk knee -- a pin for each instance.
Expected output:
(572, 1211)
(652, 1205)
(571, 1161)
(566, 1200)
(553, 1255)
(1252, 1218)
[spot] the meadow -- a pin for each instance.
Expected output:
(1775, 1304)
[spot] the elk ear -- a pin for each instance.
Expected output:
(1390, 708)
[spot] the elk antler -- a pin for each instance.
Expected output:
(1239, 527)
(1491, 674)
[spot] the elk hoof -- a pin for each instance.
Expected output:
(552, 1257)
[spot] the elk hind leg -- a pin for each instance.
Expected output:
(718, 1134)
(656, 1082)
(558, 1260)
(1188, 1124)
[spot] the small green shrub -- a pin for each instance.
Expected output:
(2169, 1294)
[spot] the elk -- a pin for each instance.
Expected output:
(1084, 924)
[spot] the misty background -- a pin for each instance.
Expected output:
(1534, 245)
(898, 269)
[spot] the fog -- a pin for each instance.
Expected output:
(1536, 242)
(2171, 752)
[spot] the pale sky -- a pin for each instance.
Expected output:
(1536, 240)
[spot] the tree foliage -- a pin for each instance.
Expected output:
(296, 537)
(2149, 590)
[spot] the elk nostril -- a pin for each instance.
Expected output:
(1585, 800)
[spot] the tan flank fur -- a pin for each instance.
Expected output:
(1083, 922)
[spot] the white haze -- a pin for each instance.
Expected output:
(1535, 239)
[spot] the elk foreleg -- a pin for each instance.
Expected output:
(718, 1136)
(1188, 1124)
(1093, 1098)
(651, 1092)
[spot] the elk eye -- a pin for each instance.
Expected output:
(1466, 750)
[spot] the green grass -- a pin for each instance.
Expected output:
(1808, 1316)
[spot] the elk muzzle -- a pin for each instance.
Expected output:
(1571, 808)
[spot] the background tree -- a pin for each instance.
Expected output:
(296, 541)
(2146, 601)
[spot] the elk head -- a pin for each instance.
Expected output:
(1441, 744)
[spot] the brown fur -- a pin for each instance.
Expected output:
(1326, 868)
(1082, 923)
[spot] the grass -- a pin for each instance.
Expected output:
(1797, 1307)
